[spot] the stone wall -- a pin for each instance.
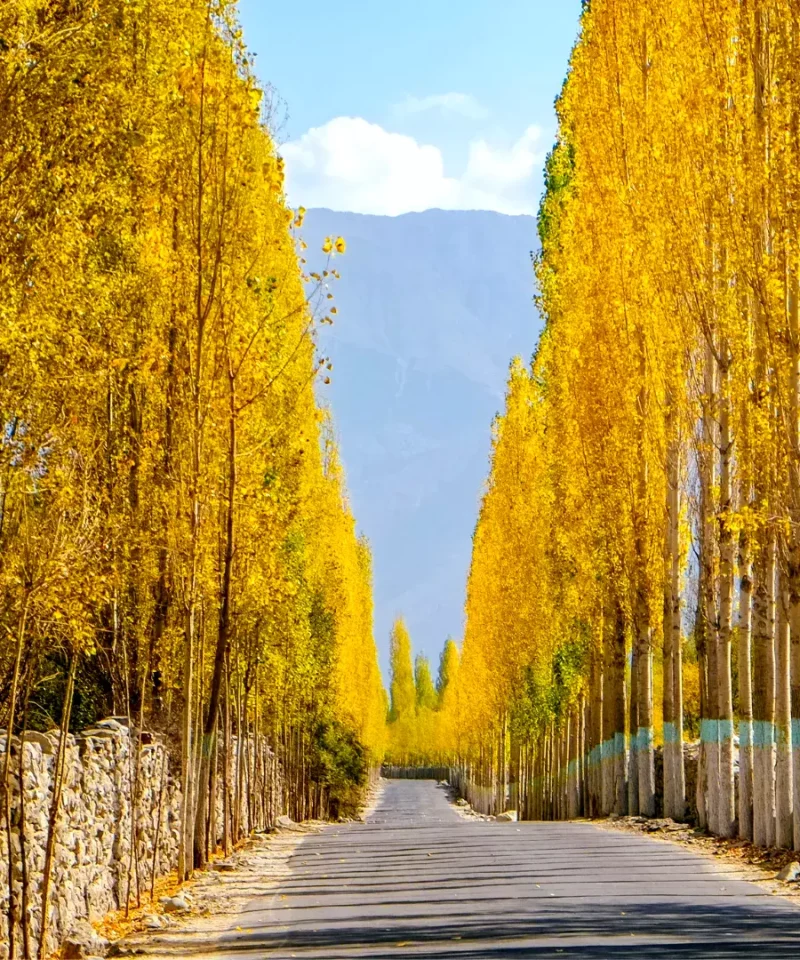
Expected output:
(93, 869)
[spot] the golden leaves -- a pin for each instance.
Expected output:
(152, 306)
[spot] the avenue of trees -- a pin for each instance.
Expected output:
(635, 578)
(175, 540)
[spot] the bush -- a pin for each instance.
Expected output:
(340, 764)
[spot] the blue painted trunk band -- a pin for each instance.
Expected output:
(619, 744)
(709, 731)
(796, 732)
(763, 733)
(725, 728)
(745, 733)
(645, 738)
(671, 733)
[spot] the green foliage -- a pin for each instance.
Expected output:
(448, 667)
(339, 762)
(426, 696)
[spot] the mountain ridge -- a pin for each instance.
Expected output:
(432, 307)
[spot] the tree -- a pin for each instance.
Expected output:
(426, 697)
(403, 710)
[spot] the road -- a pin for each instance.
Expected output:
(417, 880)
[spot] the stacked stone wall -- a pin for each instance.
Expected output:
(93, 870)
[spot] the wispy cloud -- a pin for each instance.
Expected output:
(460, 103)
(351, 164)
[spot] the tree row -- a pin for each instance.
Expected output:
(175, 540)
(635, 579)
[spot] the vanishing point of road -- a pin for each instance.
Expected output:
(417, 880)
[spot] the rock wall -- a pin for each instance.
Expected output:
(94, 871)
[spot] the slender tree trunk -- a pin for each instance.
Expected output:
(793, 558)
(647, 775)
(608, 718)
(745, 676)
(223, 639)
(783, 739)
(702, 664)
(226, 770)
(12, 711)
(726, 807)
(764, 694)
(764, 566)
(596, 806)
(633, 725)
(55, 808)
(709, 723)
(674, 775)
(795, 725)
(642, 616)
(23, 840)
(619, 706)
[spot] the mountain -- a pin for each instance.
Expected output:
(431, 308)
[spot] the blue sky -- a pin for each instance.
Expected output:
(399, 107)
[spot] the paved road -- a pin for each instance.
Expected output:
(416, 880)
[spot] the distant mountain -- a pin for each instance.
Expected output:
(432, 306)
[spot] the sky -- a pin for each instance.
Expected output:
(393, 108)
(397, 108)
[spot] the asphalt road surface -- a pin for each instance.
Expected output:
(417, 880)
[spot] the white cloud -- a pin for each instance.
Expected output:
(350, 164)
(461, 103)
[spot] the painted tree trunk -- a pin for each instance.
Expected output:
(633, 726)
(726, 798)
(700, 642)
(709, 722)
(596, 734)
(607, 741)
(645, 745)
(674, 773)
(795, 726)
(642, 616)
(573, 798)
(783, 734)
(793, 560)
(619, 706)
(764, 694)
(764, 565)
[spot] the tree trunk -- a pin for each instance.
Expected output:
(726, 800)
(709, 722)
(619, 707)
(607, 739)
(12, 710)
(745, 675)
(783, 738)
(223, 638)
(764, 694)
(795, 726)
(633, 726)
(674, 776)
(55, 808)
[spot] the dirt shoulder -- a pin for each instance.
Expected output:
(211, 902)
(181, 916)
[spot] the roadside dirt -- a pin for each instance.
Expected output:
(214, 897)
